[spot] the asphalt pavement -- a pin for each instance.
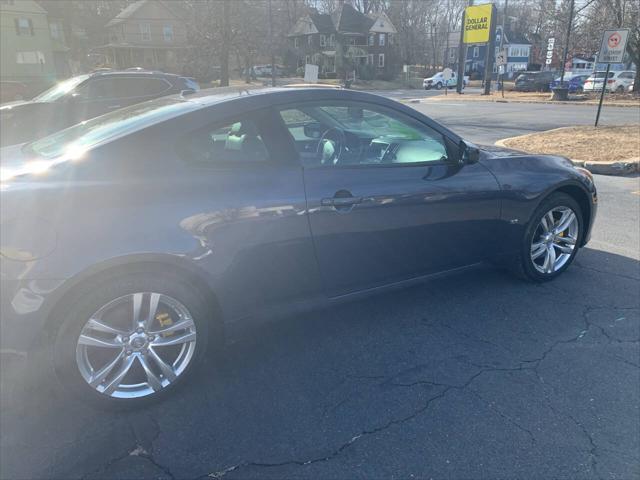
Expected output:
(475, 376)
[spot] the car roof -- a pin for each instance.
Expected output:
(132, 73)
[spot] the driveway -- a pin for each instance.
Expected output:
(474, 376)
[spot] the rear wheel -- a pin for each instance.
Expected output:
(131, 340)
(551, 239)
(439, 86)
(620, 89)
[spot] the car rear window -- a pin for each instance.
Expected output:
(89, 134)
(602, 74)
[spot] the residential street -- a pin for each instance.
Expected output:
(474, 376)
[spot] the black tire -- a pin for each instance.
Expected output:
(439, 86)
(522, 265)
(620, 89)
(92, 295)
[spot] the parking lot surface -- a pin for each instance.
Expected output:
(473, 376)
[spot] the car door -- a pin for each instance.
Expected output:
(394, 203)
(246, 206)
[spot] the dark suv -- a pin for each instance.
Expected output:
(83, 97)
(534, 81)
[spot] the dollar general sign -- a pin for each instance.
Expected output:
(477, 23)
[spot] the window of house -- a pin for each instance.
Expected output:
(390, 38)
(452, 54)
(233, 143)
(332, 40)
(352, 40)
(370, 59)
(388, 137)
(476, 52)
(381, 60)
(54, 30)
(382, 39)
(145, 31)
(307, 59)
(24, 26)
(323, 40)
(167, 32)
(30, 58)
(372, 39)
(309, 39)
(296, 42)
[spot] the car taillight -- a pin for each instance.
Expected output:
(611, 81)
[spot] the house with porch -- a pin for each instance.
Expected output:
(343, 41)
(148, 34)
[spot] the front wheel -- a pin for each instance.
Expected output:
(551, 239)
(131, 339)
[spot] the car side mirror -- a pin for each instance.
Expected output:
(468, 153)
(313, 130)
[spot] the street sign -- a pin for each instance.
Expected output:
(614, 43)
(501, 58)
(477, 23)
(550, 44)
(447, 73)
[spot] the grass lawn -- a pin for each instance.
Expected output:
(601, 144)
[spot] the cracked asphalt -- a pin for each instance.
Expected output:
(474, 376)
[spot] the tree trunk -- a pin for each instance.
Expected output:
(225, 47)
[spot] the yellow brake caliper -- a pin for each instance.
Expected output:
(165, 320)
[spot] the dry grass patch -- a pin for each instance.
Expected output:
(601, 144)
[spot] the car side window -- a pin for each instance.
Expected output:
(356, 133)
(238, 142)
(124, 87)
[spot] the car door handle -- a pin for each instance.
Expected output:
(340, 201)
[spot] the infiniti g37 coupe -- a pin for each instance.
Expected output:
(134, 241)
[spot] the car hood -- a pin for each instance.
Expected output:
(495, 151)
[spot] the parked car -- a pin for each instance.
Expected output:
(575, 83)
(534, 81)
(265, 71)
(133, 242)
(617, 81)
(437, 81)
(83, 97)
(12, 91)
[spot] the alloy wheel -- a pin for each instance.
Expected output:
(136, 345)
(554, 240)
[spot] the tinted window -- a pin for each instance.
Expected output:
(59, 90)
(86, 135)
(124, 87)
(360, 134)
(233, 142)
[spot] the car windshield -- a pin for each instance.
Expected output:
(62, 88)
(88, 134)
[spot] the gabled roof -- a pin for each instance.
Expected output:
(348, 20)
(131, 10)
(514, 37)
(323, 22)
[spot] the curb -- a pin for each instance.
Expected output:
(544, 102)
(617, 168)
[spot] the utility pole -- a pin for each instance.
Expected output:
(504, 20)
(273, 57)
(566, 45)
(462, 54)
(488, 59)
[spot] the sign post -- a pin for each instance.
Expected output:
(501, 63)
(447, 73)
(478, 27)
(614, 43)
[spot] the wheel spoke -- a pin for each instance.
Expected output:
(550, 260)
(97, 378)
(99, 326)
(567, 240)
(568, 217)
(120, 374)
(174, 340)
(152, 378)
(181, 325)
(537, 250)
(165, 368)
(563, 248)
(154, 299)
(90, 341)
(137, 306)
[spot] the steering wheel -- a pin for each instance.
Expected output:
(330, 148)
